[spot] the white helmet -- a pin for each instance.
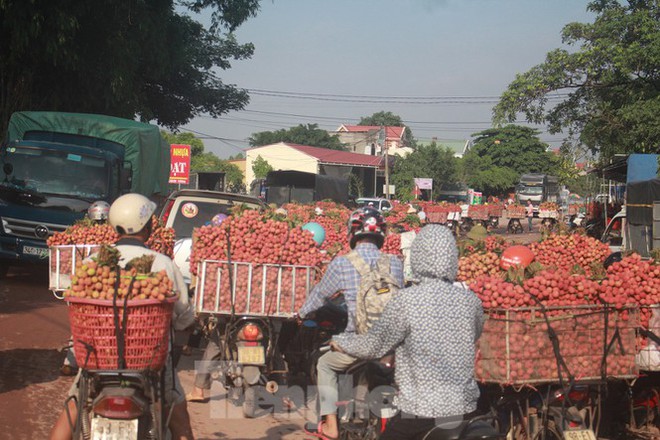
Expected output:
(98, 211)
(130, 213)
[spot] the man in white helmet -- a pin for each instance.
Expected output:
(130, 215)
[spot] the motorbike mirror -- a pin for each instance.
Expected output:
(8, 168)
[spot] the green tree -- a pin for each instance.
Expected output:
(605, 93)
(309, 134)
(210, 162)
(388, 119)
(130, 59)
(432, 161)
(500, 155)
(261, 168)
(185, 138)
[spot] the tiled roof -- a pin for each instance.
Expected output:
(328, 156)
(391, 132)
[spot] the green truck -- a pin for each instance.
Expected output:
(54, 165)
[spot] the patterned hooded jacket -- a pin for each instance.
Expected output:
(433, 327)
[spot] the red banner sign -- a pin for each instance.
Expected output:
(180, 164)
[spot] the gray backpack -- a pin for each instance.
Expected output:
(377, 285)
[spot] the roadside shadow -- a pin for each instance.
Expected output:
(274, 433)
(25, 288)
(22, 367)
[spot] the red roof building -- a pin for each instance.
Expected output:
(304, 158)
(368, 139)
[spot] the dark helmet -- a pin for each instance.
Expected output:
(366, 222)
(612, 258)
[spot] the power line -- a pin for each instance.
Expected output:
(370, 98)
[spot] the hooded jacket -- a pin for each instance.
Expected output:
(433, 328)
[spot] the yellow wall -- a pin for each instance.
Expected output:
(240, 163)
(282, 158)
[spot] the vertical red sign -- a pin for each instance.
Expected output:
(180, 164)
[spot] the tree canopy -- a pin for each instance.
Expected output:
(432, 161)
(261, 168)
(309, 134)
(606, 93)
(206, 161)
(128, 59)
(388, 119)
(185, 138)
(500, 156)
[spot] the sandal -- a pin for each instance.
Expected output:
(190, 397)
(317, 431)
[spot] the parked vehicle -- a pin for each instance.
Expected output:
(383, 205)
(54, 165)
(188, 209)
(280, 187)
(538, 188)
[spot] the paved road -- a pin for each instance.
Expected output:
(34, 328)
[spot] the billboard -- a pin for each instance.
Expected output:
(180, 164)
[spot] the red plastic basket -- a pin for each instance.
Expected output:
(147, 332)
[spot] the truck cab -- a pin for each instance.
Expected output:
(615, 236)
(53, 165)
(47, 186)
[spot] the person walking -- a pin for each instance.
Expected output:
(530, 214)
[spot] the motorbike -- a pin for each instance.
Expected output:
(251, 359)
(514, 226)
(362, 418)
(547, 412)
(304, 350)
(126, 404)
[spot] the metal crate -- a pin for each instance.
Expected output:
(253, 289)
(62, 261)
(515, 346)
(545, 213)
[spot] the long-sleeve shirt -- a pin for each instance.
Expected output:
(342, 276)
(434, 334)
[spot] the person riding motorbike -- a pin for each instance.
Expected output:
(98, 211)
(433, 328)
(130, 215)
(366, 229)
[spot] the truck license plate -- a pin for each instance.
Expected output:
(111, 429)
(33, 250)
(579, 434)
(251, 355)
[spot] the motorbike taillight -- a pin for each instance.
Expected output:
(250, 332)
(118, 407)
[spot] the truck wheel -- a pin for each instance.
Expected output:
(250, 402)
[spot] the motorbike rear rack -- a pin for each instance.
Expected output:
(272, 290)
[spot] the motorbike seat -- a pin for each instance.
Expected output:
(476, 430)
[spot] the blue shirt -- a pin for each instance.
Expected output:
(342, 276)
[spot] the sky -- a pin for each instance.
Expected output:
(438, 64)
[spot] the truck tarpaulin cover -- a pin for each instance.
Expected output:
(145, 149)
(305, 187)
(639, 201)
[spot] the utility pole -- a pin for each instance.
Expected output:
(387, 167)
